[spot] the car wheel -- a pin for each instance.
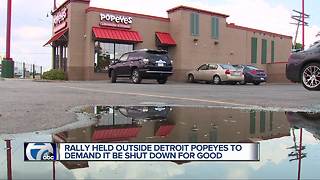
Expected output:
(113, 76)
(257, 83)
(216, 80)
(311, 76)
(162, 81)
(243, 82)
(190, 78)
(136, 76)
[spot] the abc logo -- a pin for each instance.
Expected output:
(40, 151)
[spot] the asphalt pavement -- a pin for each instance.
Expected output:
(27, 106)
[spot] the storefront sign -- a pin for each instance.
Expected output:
(59, 19)
(115, 21)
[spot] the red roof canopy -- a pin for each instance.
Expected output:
(57, 36)
(164, 130)
(118, 134)
(120, 35)
(165, 39)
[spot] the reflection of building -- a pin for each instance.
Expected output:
(120, 124)
(226, 125)
(75, 164)
(179, 124)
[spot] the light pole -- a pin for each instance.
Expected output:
(303, 44)
(7, 62)
(303, 24)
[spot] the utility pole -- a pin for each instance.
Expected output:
(7, 62)
(54, 4)
(299, 21)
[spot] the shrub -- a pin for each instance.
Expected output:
(53, 74)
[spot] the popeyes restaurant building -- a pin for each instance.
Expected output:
(86, 39)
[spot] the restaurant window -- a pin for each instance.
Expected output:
(264, 48)
(272, 52)
(271, 121)
(194, 24)
(262, 121)
(252, 122)
(254, 49)
(215, 28)
(105, 53)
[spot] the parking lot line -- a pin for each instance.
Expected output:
(156, 96)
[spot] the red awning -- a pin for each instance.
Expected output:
(57, 36)
(119, 35)
(164, 130)
(165, 39)
(119, 134)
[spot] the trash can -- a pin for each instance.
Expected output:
(7, 70)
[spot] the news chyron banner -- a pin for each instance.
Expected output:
(142, 152)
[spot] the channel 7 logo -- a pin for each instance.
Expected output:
(40, 151)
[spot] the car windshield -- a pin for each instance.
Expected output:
(227, 66)
(252, 68)
(316, 45)
(237, 66)
(157, 57)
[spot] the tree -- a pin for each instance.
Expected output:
(298, 46)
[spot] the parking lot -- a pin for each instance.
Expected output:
(31, 106)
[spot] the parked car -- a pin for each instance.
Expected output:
(150, 113)
(142, 64)
(252, 74)
(216, 73)
(304, 67)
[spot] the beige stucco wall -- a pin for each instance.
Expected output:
(233, 46)
(76, 44)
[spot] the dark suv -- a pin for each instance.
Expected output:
(304, 66)
(142, 64)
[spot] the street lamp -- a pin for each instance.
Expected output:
(7, 62)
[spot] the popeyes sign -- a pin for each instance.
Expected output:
(59, 19)
(115, 21)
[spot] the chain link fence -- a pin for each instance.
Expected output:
(27, 71)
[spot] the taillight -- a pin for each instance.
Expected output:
(228, 72)
(253, 72)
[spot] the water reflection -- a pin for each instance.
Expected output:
(277, 132)
(178, 124)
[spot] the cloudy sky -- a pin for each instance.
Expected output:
(32, 27)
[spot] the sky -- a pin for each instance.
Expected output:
(31, 20)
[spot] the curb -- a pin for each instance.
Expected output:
(49, 81)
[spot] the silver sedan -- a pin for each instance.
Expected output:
(216, 73)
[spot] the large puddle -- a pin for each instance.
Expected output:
(277, 132)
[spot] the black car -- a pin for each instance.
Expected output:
(304, 66)
(142, 64)
(252, 74)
